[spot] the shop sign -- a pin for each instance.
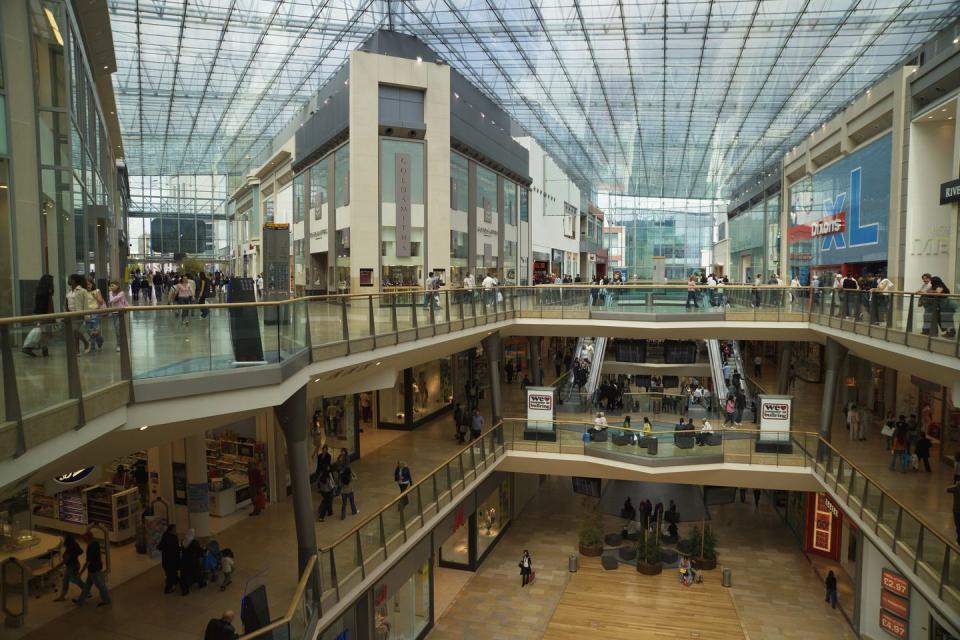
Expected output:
(893, 625)
(366, 277)
(826, 226)
(950, 192)
(825, 524)
(74, 477)
(402, 199)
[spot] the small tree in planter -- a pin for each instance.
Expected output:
(648, 553)
(591, 531)
(704, 548)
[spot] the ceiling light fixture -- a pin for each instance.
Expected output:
(143, 428)
(419, 59)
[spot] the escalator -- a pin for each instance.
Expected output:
(716, 370)
(748, 389)
(570, 394)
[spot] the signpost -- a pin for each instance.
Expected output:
(540, 406)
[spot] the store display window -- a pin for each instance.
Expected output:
(455, 550)
(417, 395)
(406, 612)
(493, 515)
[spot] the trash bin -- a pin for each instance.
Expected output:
(574, 563)
(726, 578)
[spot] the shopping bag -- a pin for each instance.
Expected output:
(533, 577)
(499, 296)
(33, 339)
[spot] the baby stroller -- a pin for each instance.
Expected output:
(211, 561)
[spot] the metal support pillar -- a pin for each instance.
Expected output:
(784, 354)
(292, 417)
(494, 349)
(834, 354)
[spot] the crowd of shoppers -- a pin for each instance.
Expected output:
(189, 563)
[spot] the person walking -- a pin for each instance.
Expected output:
(117, 299)
(922, 449)
(853, 422)
(95, 575)
(404, 479)
(183, 293)
(692, 293)
(78, 299)
(191, 563)
(327, 486)
(170, 551)
(729, 408)
(526, 569)
(71, 566)
(324, 460)
(346, 493)
(831, 586)
(476, 425)
(227, 566)
(757, 366)
(203, 291)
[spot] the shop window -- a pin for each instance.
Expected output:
(493, 516)
(405, 613)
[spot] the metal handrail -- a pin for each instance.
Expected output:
(50, 317)
(292, 609)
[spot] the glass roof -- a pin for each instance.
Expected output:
(658, 98)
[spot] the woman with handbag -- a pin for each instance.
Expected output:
(526, 569)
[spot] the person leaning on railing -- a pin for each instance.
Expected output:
(943, 305)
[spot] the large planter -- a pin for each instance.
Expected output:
(591, 550)
(654, 569)
(704, 564)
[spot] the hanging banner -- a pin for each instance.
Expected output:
(402, 200)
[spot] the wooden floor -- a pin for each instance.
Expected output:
(624, 604)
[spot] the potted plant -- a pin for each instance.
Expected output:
(648, 556)
(591, 531)
(705, 549)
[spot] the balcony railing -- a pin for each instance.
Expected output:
(346, 568)
(52, 384)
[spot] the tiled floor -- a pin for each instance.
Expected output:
(775, 594)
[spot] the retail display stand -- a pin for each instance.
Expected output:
(73, 511)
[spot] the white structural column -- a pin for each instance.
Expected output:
(198, 495)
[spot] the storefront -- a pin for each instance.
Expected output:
(938, 417)
(839, 216)
(541, 267)
(468, 534)
(402, 602)
(340, 419)
(419, 394)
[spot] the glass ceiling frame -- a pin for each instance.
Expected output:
(657, 98)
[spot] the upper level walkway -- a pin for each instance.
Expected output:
(159, 365)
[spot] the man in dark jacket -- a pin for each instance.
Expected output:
(95, 574)
(169, 549)
(221, 628)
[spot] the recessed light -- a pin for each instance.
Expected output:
(929, 117)
(419, 59)
(943, 110)
(317, 380)
(105, 67)
(143, 428)
(379, 363)
(956, 40)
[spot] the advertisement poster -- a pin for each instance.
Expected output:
(179, 470)
(540, 405)
(775, 416)
(894, 604)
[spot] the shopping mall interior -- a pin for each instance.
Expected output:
(403, 319)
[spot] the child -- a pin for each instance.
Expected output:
(211, 560)
(226, 566)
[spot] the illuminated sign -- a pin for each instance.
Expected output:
(74, 476)
(893, 625)
(823, 524)
(894, 604)
(950, 192)
(895, 583)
